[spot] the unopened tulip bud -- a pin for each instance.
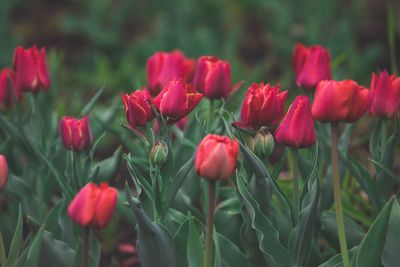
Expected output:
(76, 134)
(159, 153)
(3, 171)
(263, 144)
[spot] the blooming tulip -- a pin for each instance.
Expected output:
(6, 87)
(137, 108)
(311, 65)
(385, 95)
(75, 134)
(30, 69)
(93, 205)
(216, 157)
(3, 171)
(263, 106)
(163, 67)
(176, 100)
(339, 101)
(212, 77)
(297, 127)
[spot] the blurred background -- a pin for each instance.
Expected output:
(105, 43)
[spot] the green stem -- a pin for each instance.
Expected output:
(77, 183)
(85, 248)
(208, 256)
(391, 31)
(295, 170)
(210, 114)
(338, 197)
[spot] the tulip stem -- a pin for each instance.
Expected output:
(210, 114)
(85, 248)
(75, 169)
(208, 256)
(338, 197)
(295, 170)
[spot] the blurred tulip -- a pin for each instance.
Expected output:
(30, 69)
(163, 67)
(3, 172)
(137, 108)
(176, 100)
(263, 106)
(75, 134)
(311, 65)
(6, 89)
(212, 77)
(339, 101)
(216, 157)
(93, 205)
(297, 128)
(385, 95)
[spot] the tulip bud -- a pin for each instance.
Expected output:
(263, 143)
(176, 100)
(385, 95)
(163, 67)
(339, 101)
(216, 157)
(6, 89)
(212, 77)
(30, 69)
(137, 108)
(297, 128)
(3, 172)
(311, 65)
(75, 134)
(159, 153)
(93, 205)
(263, 106)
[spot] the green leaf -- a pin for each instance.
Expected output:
(391, 255)
(194, 247)
(32, 258)
(88, 107)
(371, 248)
(180, 241)
(55, 252)
(386, 170)
(3, 256)
(16, 242)
(336, 261)
(230, 254)
(108, 168)
(268, 236)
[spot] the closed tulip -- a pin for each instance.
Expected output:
(30, 69)
(6, 89)
(297, 127)
(94, 205)
(311, 65)
(75, 134)
(176, 100)
(137, 108)
(3, 172)
(163, 67)
(385, 95)
(263, 106)
(212, 77)
(340, 101)
(216, 157)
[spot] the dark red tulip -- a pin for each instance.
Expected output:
(6, 89)
(137, 108)
(3, 172)
(75, 134)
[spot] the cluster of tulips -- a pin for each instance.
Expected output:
(176, 85)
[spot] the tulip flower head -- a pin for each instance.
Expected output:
(385, 95)
(212, 77)
(30, 69)
(340, 101)
(163, 67)
(216, 157)
(6, 89)
(297, 128)
(263, 106)
(94, 205)
(137, 108)
(176, 100)
(3, 172)
(76, 134)
(311, 65)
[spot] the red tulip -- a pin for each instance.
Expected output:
(385, 95)
(75, 134)
(93, 205)
(3, 171)
(163, 67)
(263, 106)
(212, 77)
(137, 108)
(297, 128)
(30, 69)
(176, 100)
(216, 157)
(6, 87)
(339, 101)
(311, 65)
